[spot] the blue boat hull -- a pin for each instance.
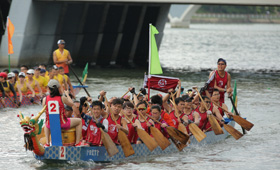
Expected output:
(99, 154)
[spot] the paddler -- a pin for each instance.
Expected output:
(93, 133)
(33, 83)
(113, 129)
(66, 81)
(41, 80)
(156, 114)
(62, 57)
(22, 87)
(216, 101)
(6, 88)
(204, 124)
(65, 123)
(183, 118)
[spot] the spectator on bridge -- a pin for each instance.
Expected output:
(62, 57)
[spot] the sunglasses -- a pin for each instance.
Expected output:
(142, 108)
(10, 77)
(208, 102)
(21, 77)
(28, 74)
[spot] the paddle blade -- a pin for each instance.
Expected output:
(110, 146)
(126, 146)
(182, 128)
(178, 144)
(147, 139)
(197, 132)
(235, 133)
(162, 141)
(243, 122)
(178, 135)
(215, 125)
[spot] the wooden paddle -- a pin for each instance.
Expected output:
(242, 122)
(175, 133)
(107, 141)
(247, 125)
(145, 137)
(11, 100)
(124, 94)
(215, 125)
(126, 145)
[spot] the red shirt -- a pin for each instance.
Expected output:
(221, 82)
(112, 129)
(132, 134)
(221, 110)
(62, 116)
(162, 130)
(94, 134)
(204, 119)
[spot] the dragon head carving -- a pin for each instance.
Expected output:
(31, 126)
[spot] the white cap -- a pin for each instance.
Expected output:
(21, 74)
(11, 74)
(52, 83)
(60, 42)
(55, 67)
(30, 71)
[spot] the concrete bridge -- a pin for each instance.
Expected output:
(101, 32)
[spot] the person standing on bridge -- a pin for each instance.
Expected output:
(62, 57)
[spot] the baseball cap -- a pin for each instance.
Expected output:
(223, 60)
(21, 74)
(60, 42)
(53, 83)
(30, 71)
(37, 68)
(3, 74)
(11, 74)
(55, 67)
(42, 70)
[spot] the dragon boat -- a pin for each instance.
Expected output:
(26, 99)
(63, 152)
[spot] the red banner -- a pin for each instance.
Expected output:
(161, 83)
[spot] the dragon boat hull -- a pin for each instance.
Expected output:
(99, 154)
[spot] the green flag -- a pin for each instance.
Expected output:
(155, 67)
(234, 96)
(85, 72)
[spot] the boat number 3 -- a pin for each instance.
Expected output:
(62, 152)
(53, 107)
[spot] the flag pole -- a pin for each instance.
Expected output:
(149, 62)
(8, 43)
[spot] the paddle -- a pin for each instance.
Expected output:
(124, 94)
(247, 125)
(175, 133)
(215, 125)
(78, 79)
(126, 145)
(107, 141)
(145, 137)
(196, 131)
(242, 122)
(161, 140)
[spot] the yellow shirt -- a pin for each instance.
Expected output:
(32, 84)
(24, 88)
(42, 81)
(60, 57)
(59, 78)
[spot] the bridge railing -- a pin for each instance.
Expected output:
(236, 16)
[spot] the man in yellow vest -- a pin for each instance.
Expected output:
(62, 57)
(41, 80)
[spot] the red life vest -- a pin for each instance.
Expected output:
(84, 129)
(174, 119)
(62, 116)
(144, 124)
(203, 119)
(112, 129)
(132, 134)
(221, 82)
(94, 133)
(190, 117)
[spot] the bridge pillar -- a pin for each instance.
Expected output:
(185, 19)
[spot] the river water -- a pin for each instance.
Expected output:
(252, 53)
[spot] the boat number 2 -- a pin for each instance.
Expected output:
(62, 152)
(53, 107)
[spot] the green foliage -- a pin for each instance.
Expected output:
(225, 9)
